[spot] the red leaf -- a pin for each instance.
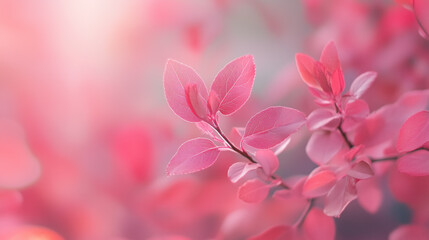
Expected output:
(271, 126)
(414, 133)
(193, 156)
(196, 102)
(178, 77)
(306, 67)
(340, 196)
(323, 146)
(268, 161)
(253, 191)
(233, 84)
(361, 84)
(329, 57)
(318, 183)
(416, 163)
(318, 226)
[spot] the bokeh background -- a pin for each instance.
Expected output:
(86, 132)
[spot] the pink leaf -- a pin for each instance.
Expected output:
(340, 196)
(196, 102)
(323, 118)
(318, 226)
(306, 67)
(414, 133)
(318, 183)
(329, 57)
(253, 191)
(192, 156)
(177, 77)
(207, 129)
(362, 83)
(416, 163)
(361, 170)
(277, 233)
(213, 103)
(268, 161)
(330, 60)
(369, 194)
(407, 232)
(271, 126)
(383, 125)
(239, 170)
(233, 84)
(323, 146)
(18, 166)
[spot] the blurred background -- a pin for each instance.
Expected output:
(86, 132)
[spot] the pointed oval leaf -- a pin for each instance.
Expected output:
(307, 67)
(323, 146)
(177, 76)
(415, 164)
(340, 196)
(361, 84)
(414, 133)
(329, 57)
(268, 161)
(271, 126)
(239, 170)
(318, 226)
(233, 84)
(193, 156)
(369, 194)
(253, 191)
(318, 183)
(213, 102)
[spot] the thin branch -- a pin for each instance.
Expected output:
(304, 215)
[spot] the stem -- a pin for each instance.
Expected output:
(394, 158)
(244, 153)
(304, 215)
(349, 143)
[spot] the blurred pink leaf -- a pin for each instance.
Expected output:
(318, 226)
(240, 169)
(18, 166)
(340, 196)
(268, 161)
(369, 194)
(271, 126)
(318, 183)
(253, 191)
(361, 84)
(415, 164)
(407, 232)
(277, 233)
(414, 133)
(179, 80)
(323, 146)
(361, 170)
(192, 156)
(233, 84)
